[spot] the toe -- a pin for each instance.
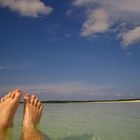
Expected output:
(39, 105)
(17, 93)
(9, 94)
(27, 98)
(12, 94)
(33, 99)
(36, 102)
(5, 97)
(2, 99)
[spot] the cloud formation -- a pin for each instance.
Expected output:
(131, 36)
(64, 90)
(97, 22)
(104, 15)
(31, 8)
(73, 90)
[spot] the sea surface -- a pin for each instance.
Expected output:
(87, 121)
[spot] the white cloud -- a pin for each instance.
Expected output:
(27, 7)
(64, 89)
(126, 5)
(75, 90)
(82, 2)
(117, 5)
(131, 36)
(97, 22)
(104, 14)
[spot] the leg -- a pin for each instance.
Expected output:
(32, 115)
(8, 107)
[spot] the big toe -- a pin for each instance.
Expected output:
(17, 93)
(27, 98)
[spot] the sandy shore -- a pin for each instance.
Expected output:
(136, 101)
(133, 101)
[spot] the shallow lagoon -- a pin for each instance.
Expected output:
(87, 121)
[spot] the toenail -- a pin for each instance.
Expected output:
(18, 90)
(27, 94)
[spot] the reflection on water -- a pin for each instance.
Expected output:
(81, 137)
(87, 121)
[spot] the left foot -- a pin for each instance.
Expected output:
(8, 107)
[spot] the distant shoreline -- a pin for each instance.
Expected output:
(92, 101)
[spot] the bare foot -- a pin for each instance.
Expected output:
(8, 107)
(32, 112)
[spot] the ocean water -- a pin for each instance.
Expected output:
(87, 121)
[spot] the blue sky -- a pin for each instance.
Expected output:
(76, 49)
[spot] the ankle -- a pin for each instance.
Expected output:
(29, 128)
(3, 130)
(4, 127)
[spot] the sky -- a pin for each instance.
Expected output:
(70, 49)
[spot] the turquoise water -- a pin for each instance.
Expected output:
(87, 121)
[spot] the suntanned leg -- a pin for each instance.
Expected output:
(32, 115)
(8, 107)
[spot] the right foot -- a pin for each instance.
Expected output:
(8, 107)
(32, 112)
